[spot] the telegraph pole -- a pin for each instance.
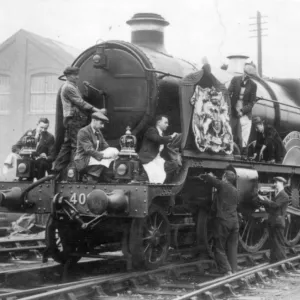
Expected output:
(259, 30)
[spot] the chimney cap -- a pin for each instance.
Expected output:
(144, 17)
(237, 56)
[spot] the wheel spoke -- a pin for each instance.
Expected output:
(160, 225)
(155, 220)
(245, 228)
(147, 248)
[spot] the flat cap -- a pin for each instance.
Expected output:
(98, 115)
(281, 179)
(250, 69)
(257, 120)
(71, 71)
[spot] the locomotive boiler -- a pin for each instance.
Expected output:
(134, 82)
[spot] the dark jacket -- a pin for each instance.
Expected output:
(150, 145)
(271, 139)
(277, 209)
(72, 102)
(249, 97)
(225, 204)
(44, 145)
(87, 145)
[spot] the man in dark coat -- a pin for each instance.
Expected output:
(242, 92)
(276, 222)
(93, 154)
(268, 146)
(75, 113)
(226, 225)
(44, 143)
(157, 157)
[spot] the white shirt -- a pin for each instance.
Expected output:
(160, 132)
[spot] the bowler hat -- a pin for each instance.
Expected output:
(98, 115)
(71, 71)
(281, 179)
(257, 120)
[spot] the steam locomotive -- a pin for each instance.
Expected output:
(140, 80)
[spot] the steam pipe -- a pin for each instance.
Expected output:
(35, 184)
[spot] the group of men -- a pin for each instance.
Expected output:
(226, 223)
(268, 146)
(85, 146)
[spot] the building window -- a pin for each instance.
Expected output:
(4, 94)
(43, 90)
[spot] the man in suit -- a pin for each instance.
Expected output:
(276, 222)
(157, 158)
(44, 144)
(226, 225)
(242, 92)
(268, 145)
(75, 116)
(93, 155)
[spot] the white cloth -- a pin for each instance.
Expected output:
(109, 154)
(155, 169)
(10, 167)
(246, 124)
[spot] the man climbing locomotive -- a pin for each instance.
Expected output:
(75, 116)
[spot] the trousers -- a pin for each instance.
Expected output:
(226, 234)
(41, 166)
(277, 243)
(68, 148)
(241, 129)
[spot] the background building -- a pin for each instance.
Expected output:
(29, 70)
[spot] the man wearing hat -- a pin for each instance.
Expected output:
(226, 224)
(276, 222)
(75, 116)
(268, 146)
(93, 155)
(242, 92)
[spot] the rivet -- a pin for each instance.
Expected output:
(78, 186)
(144, 201)
(135, 210)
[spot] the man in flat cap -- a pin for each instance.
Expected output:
(93, 155)
(75, 116)
(276, 222)
(225, 223)
(242, 92)
(268, 145)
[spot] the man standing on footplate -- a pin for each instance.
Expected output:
(226, 225)
(276, 222)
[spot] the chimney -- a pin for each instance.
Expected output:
(147, 30)
(236, 63)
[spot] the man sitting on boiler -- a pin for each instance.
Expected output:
(158, 159)
(93, 154)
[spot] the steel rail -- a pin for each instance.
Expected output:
(235, 277)
(118, 279)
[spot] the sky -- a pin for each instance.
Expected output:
(198, 28)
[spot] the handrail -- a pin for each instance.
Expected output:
(274, 101)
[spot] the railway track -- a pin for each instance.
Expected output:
(174, 281)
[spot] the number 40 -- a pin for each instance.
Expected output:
(81, 199)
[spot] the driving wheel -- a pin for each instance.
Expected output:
(149, 239)
(253, 233)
